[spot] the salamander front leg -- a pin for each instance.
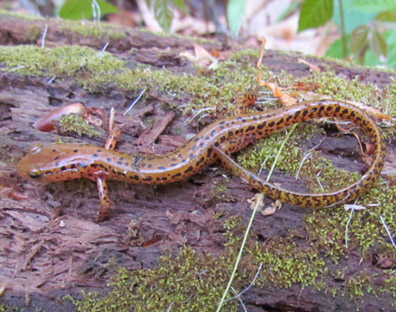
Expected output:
(103, 212)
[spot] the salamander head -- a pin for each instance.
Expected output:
(51, 163)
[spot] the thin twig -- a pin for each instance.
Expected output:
(259, 200)
(387, 231)
(135, 101)
(347, 228)
(240, 300)
(101, 53)
(43, 36)
(250, 285)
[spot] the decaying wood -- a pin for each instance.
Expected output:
(50, 242)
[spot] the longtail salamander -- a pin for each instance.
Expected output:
(60, 162)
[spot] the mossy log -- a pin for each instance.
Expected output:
(310, 259)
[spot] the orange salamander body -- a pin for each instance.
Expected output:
(59, 162)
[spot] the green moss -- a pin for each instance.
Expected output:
(192, 282)
(75, 61)
(219, 192)
(76, 123)
(187, 282)
(92, 29)
(286, 263)
(29, 17)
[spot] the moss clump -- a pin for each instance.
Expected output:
(186, 282)
(77, 124)
(92, 29)
(327, 228)
(286, 263)
(206, 92)
(72, 61)
(191, 282)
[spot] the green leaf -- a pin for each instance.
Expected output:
(82, 9)
(352, 17)
(386, 16)
(180, 4)
(368, 6)
(163, 14)
(235, 10)
(315, 13)
(335, 50)
(359, 39)
(378, 45)
(390, 37)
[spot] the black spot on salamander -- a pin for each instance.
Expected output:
(305, 112)
(119, 162)
(222, 139)
(98, 150)
(271, 124)
(73, 166)
(188, 169)
(94, 165)
(162, 178)
(216, 144)
(176, 175)
(230, 133)
(207, 138)
(345, 111)
(134, 177)
(173, 164)
(250, 128)
(121, 158)
(221, 127)
(280, 121)
(202, 144)
(56, 158)
(193, 147)
(222, 122)
(338, 108)
(213, 132)
(63, 168)
(75, 151)
(196, 139)
(202, 159)
(262, 125)
(209, 152)
(54, 150)
(148, 178)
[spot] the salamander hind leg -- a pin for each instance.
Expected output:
(104, 210)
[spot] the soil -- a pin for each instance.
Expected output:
(50, 244)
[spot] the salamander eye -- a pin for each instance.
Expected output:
(35, 174)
